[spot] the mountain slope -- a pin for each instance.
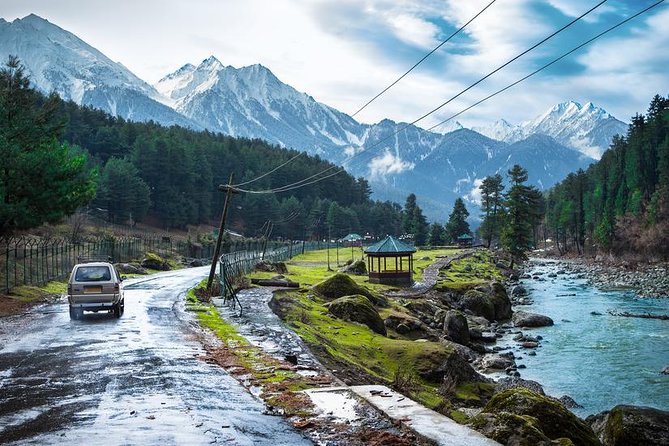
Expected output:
(587, 128)
(59, 61)
(252, 102)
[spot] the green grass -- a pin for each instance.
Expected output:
(279, 384)
(29, 293)
(469, 272)
(312, 267)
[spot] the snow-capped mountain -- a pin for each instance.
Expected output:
(252, 102)
(59, 61)
(587, 128)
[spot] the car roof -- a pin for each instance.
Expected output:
(93, 264)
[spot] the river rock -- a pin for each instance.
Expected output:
(665, 370)
(513, 383)
(478, 303)
(631, 425)
(497, 362)
(519, 291)
(569, 402)
(526, 319)
(521, 417)
(357, 308)
(456, 328)
(501, 302)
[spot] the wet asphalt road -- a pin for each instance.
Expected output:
(133, 380)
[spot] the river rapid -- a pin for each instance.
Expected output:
(598, 359)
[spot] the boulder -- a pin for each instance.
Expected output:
(519, 291)
(341, 285)
(129, 268)
(357, 308)
(631, 425)
(478, 303)
(153, 261)
(271, 267)
(513, 383)
(526, 319)
(456, 328)
(515, 414)
(569, 402)
(665, 371)
(359, 268)
(501, 302)
(497, 362)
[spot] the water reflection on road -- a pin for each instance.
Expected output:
(134, 380)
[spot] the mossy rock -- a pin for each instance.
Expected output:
(479, 304)
(357, 308)
(456, 328)
(510, 429)
(632, 425)
(154, 261)
(501, 302)
(438, 362)
(359, 268)
(341, 285)
(552, 418)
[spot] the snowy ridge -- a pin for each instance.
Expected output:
(59, 61)
(586, 128)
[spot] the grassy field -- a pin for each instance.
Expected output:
(312, 267)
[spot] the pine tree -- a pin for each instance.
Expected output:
(41, 180)
(517, 232)
(121, 192)
(491, 205)
(457, 222)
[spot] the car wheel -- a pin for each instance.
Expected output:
(122, 307)
(74, 313)
(117, 310)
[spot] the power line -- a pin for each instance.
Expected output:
(587, 42)
(315, 177)
(423, 59)
(382, 92)
(270, 172)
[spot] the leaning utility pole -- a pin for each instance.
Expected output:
(228, 195)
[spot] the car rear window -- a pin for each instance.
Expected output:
(92, 274)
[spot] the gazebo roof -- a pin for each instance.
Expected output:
(390, 245)
(465, 237)
(353, 237)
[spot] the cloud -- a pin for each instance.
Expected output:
(388, 164)
(474, 195)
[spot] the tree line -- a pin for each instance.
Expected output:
(621, 203)
(57, 156)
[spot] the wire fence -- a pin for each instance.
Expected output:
(236, 264)
(35, 261)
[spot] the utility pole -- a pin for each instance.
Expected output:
(328, 246)
(229, 190)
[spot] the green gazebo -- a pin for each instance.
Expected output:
(390, 262)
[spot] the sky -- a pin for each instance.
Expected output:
(343, 52)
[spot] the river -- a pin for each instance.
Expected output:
(598, 359)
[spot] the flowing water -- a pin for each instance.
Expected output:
(598, 359)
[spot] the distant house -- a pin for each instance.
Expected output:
(465, 241)
(390, 261)
(352, 239)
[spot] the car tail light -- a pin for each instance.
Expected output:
(117, 288)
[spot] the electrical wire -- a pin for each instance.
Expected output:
(315, 177)
(576, 48)
(379, 94)
(423, 59)
(269, 172)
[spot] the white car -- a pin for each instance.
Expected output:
(95, 286)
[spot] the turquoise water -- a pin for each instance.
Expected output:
(599, 360)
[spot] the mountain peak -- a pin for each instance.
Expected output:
(210, 63)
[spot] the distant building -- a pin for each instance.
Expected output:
(465, 241)
(390, 262)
